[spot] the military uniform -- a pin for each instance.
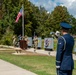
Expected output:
(57, 34)
(35, 43)
(14, 41)
(19, 39)
(64, 58)
(26, 39)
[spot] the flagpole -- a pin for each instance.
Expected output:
(22, 20)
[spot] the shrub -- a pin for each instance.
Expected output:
(7, 37)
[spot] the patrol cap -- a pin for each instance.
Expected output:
(65, 25)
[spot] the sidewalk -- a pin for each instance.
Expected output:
(49, 53)
(41, 51)
(9, 69)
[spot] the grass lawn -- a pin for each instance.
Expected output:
(41, 65)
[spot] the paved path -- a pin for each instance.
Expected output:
(9, 69)
(41, 51)
(50, 53)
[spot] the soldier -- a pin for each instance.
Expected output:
(19, 39)
(64, 58)
(14, 41)
(26, 40)
(57, 34)
(35, 43)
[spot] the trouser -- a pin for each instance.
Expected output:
(64, 72)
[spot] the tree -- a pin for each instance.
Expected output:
(36, 19)
(58, 15)
(7, 37)
(73, 23)
(1, 9)
(42, 28)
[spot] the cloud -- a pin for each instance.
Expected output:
(51, 4)
(48, 4)
(71, 4)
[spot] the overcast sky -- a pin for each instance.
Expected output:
(51, 4)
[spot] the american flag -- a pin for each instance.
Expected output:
(19, 15)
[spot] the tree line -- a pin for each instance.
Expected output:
(36, 20)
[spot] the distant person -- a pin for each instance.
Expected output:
(26, 40)
(14, 40)
(35, 40)
(64, 58)
(19, 39)
(57, 34)
(52, 34)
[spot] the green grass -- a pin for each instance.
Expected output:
(41, 65)
(55, 44)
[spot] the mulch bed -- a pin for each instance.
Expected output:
(23, 52)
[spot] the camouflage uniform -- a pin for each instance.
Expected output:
(35, 42)
(14, 41)
(26, 39)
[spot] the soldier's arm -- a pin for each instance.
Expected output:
(59, 54)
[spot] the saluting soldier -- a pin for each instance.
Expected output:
(57, 34)
(64, 58)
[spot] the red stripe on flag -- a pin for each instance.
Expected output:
(18, 16)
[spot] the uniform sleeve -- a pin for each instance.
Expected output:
(60, 47)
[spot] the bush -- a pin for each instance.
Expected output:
(7, 37)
